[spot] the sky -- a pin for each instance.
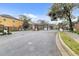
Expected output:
(20, 8)
(34, 10)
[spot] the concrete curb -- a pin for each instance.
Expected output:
(66, 48)
(58, 43)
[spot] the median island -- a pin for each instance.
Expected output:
(70, 42)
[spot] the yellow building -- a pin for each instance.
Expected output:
(11, 22)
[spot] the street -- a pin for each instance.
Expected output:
(29, 43)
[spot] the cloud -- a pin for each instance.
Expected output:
(35, 18)
(75, 19)
(30, 15)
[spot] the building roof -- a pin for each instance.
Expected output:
(8, 16)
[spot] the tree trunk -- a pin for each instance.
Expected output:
(70, 24)
(70, 21)
(3, 30)
(8, 30)
(47, 26)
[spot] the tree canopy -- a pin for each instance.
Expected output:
(63, 10)
(25, 20)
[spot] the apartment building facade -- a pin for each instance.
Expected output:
(10, 22)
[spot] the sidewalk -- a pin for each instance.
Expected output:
(73, 35)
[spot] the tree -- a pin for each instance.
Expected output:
(63, 10)
(26, 21)
(78, 18)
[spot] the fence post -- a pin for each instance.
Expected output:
(8, 31)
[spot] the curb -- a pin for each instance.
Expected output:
(62, 51)
(66, 48)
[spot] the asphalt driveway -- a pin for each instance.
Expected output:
(29, 43)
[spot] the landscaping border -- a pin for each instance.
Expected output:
(65, 47)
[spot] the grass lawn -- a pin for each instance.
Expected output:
(70, 42)
(0, 31)
(77, 32)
